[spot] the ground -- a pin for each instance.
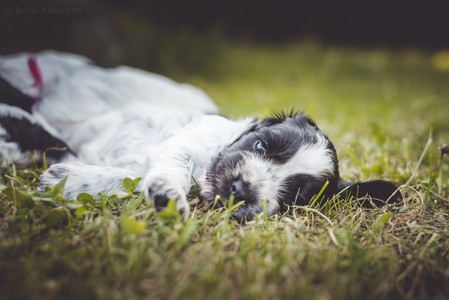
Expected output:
(387, 113)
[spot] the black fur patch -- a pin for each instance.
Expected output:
(283, 134)
(12, 96)
(301, 188)
(299, 119)
(33, 137)
(380, 191)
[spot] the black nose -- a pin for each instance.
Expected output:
(239, 190)
(160, 201)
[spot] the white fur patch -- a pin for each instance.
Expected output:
(85, 178)
(314, 159)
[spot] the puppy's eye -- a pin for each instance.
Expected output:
(260, 147)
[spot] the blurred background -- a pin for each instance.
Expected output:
(188, 35)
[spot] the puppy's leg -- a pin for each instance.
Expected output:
(82, 178)
(170, 178)
(186, 154)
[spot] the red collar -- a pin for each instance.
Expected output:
(37, 76)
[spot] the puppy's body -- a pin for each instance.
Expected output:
(128, 123)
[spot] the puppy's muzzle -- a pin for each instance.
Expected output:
(239, 190)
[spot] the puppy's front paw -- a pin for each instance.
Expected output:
(52, 176)
(160, 190)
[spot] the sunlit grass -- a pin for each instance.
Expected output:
(379, 107)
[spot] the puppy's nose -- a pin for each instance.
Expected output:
(238, 190)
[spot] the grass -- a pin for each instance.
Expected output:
(380, 107)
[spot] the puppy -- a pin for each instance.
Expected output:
(121, 128)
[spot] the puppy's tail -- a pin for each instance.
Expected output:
(378, 192)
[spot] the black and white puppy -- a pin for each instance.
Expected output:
(99, 126)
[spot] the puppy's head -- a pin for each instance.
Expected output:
(283, 160)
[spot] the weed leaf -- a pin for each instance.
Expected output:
(59, 187)
(380, 221)
(86, 199)
(170, 214)
(130, 185)
(132, 226)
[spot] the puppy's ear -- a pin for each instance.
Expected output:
(296, 118)
(275, 119)
(380, 192)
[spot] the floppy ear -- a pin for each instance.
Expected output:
(299, 119)
(275, 118)
(381, 192)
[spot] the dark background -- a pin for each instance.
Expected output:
(158, 33)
